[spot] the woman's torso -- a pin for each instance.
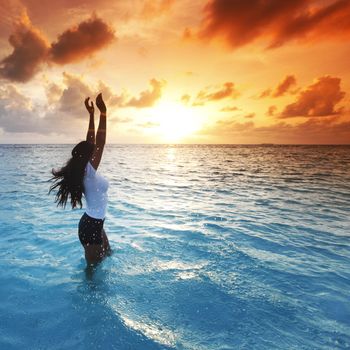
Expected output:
(95, 192)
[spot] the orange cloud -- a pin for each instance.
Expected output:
(224, 127)
(284, 86)
(265, 93)
(148, 124)
(31, 49)
(312, 131)
(317, 100)
(185, 98)
(147, 98)
(241, 22)
(229, 109)
(155, 8)
(271, 111)
(80, 41)
(187, 34)
(227, 90)
(29, 52)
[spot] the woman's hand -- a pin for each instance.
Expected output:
(100, 103)
(90, 108)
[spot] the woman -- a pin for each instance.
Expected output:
(79, 176)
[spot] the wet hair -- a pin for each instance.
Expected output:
(69, 179)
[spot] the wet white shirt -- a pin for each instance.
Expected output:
(95, 192)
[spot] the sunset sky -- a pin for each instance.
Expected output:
(184, 71)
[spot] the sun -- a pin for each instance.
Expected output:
(175, 121)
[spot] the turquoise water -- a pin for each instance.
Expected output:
(215, 247)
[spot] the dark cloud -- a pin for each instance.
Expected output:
(241, 22)
(110, 97)
(76, 90)
(81, 41)
(249, 116)
(16, 112)
(317, 100)
(227, 90)
(73, 96)
(19, 121)
(315, 21)
(147, 98)
(12, 98)
(31, 49)
(29, 52)
(18, 115)
(53, 92)
(64, 114)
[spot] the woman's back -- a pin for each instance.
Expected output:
(95, 192)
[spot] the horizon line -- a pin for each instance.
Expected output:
(198, 144)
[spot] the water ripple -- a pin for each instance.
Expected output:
(215, 247)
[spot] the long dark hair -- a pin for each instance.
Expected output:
(69, 178)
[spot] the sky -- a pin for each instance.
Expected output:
(176, 71)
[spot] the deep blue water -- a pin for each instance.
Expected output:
(215, 247)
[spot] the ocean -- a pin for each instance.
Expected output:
(216, 247)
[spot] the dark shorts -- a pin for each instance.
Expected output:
(90, 230)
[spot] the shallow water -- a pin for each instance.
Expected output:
(215, 247)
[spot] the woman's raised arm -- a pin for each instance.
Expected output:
(90, 137)
(101, 133)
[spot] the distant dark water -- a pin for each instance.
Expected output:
(216, 247)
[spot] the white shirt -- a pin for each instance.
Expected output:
(95, 191)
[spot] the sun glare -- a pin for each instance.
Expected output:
(175, 121)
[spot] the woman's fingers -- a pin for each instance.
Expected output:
(89, 106)
(100, 103)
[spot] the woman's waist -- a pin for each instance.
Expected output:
(91, 215)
